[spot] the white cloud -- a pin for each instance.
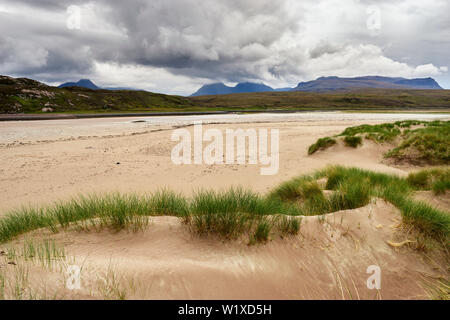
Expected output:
(144, 78)
(426, 70)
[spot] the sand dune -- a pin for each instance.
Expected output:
(327, 260)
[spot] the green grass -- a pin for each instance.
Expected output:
(355, 188)
(75, 100)
(228, 213)
(45, 251)
(236, 212)
(289, 225)
(321, 144)
(379, 132)
(350, 194)
(370, 99)
(440, 187)
(425, 145)
(437, 180)
(262, 232)
(419, 180)
(231, 213)
(353, 141)
(290, 190)
(310, 189)
(428, 143)
(114, 211)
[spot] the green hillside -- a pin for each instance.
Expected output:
(28, 96)
(355, 99)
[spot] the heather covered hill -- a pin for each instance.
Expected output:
(385, 99)
(29, 96)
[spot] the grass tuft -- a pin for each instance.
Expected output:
(262, 232)
(351, 195)
(231, 213)
(440, 187)
(310, 189)
(321, 144)
(289, 225)
(437, 179)
(418, 180)
(353, 141)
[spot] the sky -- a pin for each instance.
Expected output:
(176, 46)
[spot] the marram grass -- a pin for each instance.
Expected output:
(355, 187)
(236, 212)
(228, 213)
(413, 141)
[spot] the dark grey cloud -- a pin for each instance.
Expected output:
(279, 42)
(225, 39)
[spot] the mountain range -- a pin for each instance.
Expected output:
(22, 95)
(83, 83)
(325, 84)
(220, 88)
(336, 83)
(86, 83)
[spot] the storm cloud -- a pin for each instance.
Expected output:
(174, 46)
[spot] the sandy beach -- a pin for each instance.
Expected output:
(47, 161)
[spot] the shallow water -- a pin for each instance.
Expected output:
(26, 131)
(281, 117)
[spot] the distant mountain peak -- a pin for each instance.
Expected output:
(336, 83)
(252, 87)
(220, 88)
(83, 83)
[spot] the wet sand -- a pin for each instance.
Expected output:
(44, 130)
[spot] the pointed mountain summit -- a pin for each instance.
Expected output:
(213, 89)
(83, 83)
